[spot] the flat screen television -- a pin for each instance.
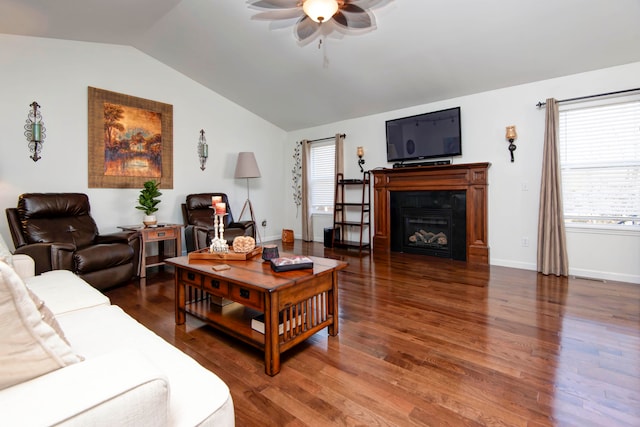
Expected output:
(424, 136)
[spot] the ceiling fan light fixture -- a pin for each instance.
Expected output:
(320, 10)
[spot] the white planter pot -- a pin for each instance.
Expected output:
(149, 220)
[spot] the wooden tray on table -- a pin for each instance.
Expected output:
(205, 255)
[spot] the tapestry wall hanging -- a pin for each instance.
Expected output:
(130, 141)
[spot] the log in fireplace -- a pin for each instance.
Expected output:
(468, 179)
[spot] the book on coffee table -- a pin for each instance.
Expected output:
(257, 323)
(295, 262)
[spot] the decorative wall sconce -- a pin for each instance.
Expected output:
(203, 150)
(360, 159)
(34, 130)
(511, 136)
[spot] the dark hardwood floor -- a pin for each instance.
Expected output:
(426, 341)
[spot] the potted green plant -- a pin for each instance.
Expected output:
(148, 202)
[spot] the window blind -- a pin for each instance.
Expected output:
(600, 163)
(322, 176)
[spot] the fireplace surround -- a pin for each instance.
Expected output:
(470, 178)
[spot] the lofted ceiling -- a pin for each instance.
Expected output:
(422, 50)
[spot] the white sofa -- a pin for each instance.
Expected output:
(125, 374)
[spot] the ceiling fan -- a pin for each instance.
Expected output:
(312, 16)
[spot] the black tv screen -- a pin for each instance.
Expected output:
(424, 136)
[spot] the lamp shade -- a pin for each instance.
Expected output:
(247, 167)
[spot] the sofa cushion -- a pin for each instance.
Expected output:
(122, 388)
(63, 291)
(196, 393)
(29, 347)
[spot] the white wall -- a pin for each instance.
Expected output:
(56, 74)
(513, 187)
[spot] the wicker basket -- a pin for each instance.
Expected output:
(287, 236)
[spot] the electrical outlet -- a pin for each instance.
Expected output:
(525, 242)
(264, 222)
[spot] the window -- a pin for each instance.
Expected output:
(600, 163)
(322, 176)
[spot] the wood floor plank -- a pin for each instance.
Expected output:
(430, 342)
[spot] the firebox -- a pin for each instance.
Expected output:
(429, 222)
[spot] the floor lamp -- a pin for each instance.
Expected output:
(247, 167)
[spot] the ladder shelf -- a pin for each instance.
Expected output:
(351, 213)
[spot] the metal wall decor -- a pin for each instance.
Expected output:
(203, 150)
(34, 131)
(511, 136)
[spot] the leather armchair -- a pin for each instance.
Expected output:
(58, 232)
(198, 221)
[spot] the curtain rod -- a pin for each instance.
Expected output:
(541, 104)
(344, 135)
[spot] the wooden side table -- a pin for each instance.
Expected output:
(160, 234)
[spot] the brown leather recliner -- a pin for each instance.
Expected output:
(58, 232)
(198, 221)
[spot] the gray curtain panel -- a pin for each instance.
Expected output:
(552, 241)
(307, 226)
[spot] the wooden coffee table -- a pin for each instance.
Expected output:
(306, 301)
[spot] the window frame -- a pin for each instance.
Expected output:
(328, 208)
(600, 228)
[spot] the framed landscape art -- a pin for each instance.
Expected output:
(130, 141)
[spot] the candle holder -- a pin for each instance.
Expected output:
(34, 131)
(218, 243)
(221, 224)
(269, 252)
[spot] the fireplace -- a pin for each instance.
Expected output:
(465, 231)
(429, 222)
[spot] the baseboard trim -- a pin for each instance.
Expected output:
(579, 273)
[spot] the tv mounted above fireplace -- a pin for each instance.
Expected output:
(424, 136)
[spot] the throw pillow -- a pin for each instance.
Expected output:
(5, 253)
(46, 314)
(29, 347)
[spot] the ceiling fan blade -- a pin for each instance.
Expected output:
(274, 4)
(368, 4)
(360, 20)
(340, 19)
(306, 27)
(280, 14)
(282, 23)
(352, 8)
